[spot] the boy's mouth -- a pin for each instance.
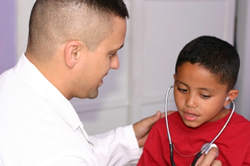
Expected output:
(190, 116)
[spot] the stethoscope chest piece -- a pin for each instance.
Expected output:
(208, 146)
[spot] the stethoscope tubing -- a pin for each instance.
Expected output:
(171, 146)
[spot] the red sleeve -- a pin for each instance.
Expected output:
(247, 158)
(153, 154)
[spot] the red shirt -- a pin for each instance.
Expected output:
(233, 143)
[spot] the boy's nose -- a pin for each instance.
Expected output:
(190, 102)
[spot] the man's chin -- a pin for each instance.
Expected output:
(92, 97)
(93, 94)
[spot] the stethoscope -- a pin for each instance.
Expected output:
(205, 148)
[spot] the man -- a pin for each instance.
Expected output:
(72, 45)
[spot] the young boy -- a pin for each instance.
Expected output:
(205, 74)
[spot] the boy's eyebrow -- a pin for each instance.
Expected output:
(181, 83)
(206, 89)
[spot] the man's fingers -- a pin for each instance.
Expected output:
(154, 118)
(200, 159)
(211, 155)
(170, 112)
(143, 127)
(209, 159)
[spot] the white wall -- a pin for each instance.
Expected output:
(157, 30)
(243, 47)
(23, 13)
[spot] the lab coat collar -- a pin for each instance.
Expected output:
(34, 78)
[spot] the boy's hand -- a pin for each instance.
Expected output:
(143, 127)
(209, 159)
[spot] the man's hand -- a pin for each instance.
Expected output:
(209, 159)
(143, 127)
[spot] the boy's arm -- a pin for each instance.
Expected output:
(247, 158)
(143, 127)
(153, 154)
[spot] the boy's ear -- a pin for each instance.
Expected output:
(72, 53)
(232, 94)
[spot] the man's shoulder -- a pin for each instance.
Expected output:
(7, 75)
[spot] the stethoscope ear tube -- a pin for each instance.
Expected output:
(169, 136)
(171, 154)
(196, 158)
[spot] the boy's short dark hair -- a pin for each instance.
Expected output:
(215, 55)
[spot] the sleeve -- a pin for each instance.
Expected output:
(247, 158)
(117, 147)
(153, 153)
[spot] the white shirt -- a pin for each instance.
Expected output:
(39, 126)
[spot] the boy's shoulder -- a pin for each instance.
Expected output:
(174, 115)
(238, 127)
(238, 119)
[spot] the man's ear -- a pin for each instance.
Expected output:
(72, 53)
(232, 94)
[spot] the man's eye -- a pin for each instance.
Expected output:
(112, 54)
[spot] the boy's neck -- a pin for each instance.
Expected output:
(224, 112)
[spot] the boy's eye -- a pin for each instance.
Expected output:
(182, 90)
(205, 96)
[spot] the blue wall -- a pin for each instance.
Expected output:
(7, 34)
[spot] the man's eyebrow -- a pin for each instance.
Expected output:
(117, 48)
(121, 47)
